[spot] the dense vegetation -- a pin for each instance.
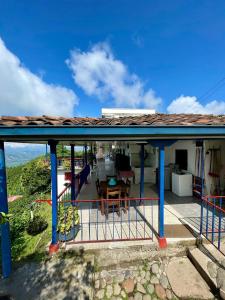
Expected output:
(30, 222)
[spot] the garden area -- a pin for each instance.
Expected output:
(30, 221)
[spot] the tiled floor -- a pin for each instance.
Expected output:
(141, 221)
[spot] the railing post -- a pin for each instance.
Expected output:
(54, 244)
(142, 171)
(162, 239)
(5, 232)
(202, 189)
(85, 155)
(73, 193)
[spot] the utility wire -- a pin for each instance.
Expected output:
(213, 89)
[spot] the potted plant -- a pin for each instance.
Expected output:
(68, 223)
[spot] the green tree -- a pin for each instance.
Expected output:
(35, 177)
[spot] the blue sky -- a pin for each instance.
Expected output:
(74, 57)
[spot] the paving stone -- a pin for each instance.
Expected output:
(143, 281)
(100, 294)
(102, 283)
(123, 294)
(119, 278)
(150, 288)
(222, 294)
(169, 294)
(147, 276)
(142, 274)
(147, 297)
(140, 288)
(164, 281)
(109, 291)
(97, 284)
(117, 289)
(128, 285)
(160, 292)
(155, 268)
(185, 280)
(154, 280)
(138, 296)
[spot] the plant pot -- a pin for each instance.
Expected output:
(70, 235)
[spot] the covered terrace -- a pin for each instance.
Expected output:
(158, 131)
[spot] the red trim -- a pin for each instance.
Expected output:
(53, 248)
(162, 242)
(112, 240)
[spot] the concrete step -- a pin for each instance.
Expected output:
(185, 280)
(214, 253)
(205, 266)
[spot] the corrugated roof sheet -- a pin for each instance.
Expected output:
(145, 120)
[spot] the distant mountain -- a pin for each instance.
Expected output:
(19, 155)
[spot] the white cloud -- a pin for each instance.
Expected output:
(188, 104)
(100, 74)
(25, 93)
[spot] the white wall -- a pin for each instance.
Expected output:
(182, 145)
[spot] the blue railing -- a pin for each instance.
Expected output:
(213, 220)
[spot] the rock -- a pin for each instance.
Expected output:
(155, 268)
(127, 274)
(97, 284)
(102, 283)
(222, 294)
(164, 281)
(116, 289)
(128, 285)
(160, 292)
(100, 294)
(185, 280)
(147, 276)
(123, 294)
(150, 288)
(212, 269)
(109, 291)
(119, 278)
(139, 279)
(140, 288)
(143, 281)
(169, 294)
(220, 278)
(147, 297)
(142, 274)
(138, 296)
(154, 280)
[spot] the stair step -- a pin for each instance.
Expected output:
(201, 261)
(213, 251)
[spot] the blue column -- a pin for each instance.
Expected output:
(72, 176)
(5, 233)
(142, 171)
(161, 191)
(53, 156)
(202, 187)
(85, 155)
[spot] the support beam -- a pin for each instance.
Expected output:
(85, 155)
(54, 244)
(162, 239)
(142, 171)
(73, 193)
(5, 234)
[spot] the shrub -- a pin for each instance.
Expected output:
(37, 225)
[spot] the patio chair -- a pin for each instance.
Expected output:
(112, 206)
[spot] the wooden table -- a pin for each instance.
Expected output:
(103, 190)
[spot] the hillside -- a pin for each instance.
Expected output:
(16, 156)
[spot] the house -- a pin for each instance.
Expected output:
(174, 165)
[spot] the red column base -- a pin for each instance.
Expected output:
(53, 248)
(162, 242)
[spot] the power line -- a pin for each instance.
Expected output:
(213, 89)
